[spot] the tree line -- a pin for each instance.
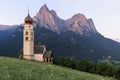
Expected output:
(104, 68)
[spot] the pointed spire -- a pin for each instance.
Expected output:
(28, 19)
(28, 10)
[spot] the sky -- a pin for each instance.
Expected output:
(105, 13)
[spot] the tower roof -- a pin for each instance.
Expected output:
(28, 19)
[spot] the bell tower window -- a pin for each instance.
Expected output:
(26, 33)
(26, 38)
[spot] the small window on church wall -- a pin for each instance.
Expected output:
(26, 38)
(26, 33)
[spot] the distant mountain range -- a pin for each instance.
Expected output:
(6, 30)
(78, 23)
(76, 37)
(117, 39)
(5, 27)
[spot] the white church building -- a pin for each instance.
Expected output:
(31, 52)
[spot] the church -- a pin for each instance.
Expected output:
(30, 51)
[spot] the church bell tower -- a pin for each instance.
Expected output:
(28, 38)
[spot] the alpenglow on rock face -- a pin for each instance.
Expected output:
(78, 23)
(48, 19)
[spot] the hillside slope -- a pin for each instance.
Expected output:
(15, 69)
(68, 44)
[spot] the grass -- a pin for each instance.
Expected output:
(16, 69)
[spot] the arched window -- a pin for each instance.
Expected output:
(26, 38)
(26, 32)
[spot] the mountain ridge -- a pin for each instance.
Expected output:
(76, 37)
(5, 27)
(77, 23)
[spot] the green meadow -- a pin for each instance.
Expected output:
(17, 69)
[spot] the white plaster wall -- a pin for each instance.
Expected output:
(28, 46)
(28, 26)
(30, 57)
(38, 57)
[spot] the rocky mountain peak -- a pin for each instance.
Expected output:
(53, 12)
(80, 24)
(44, 8)
(79, 17)
(77, 23)
(48, 19)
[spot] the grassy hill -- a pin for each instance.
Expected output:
(16, 69)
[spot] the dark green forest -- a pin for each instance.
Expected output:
(103, 68)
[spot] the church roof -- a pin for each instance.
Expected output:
(47, 54)
(28, 19)
(39, 49)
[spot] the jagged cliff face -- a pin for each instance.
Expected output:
(78, 23)
(49, 19)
